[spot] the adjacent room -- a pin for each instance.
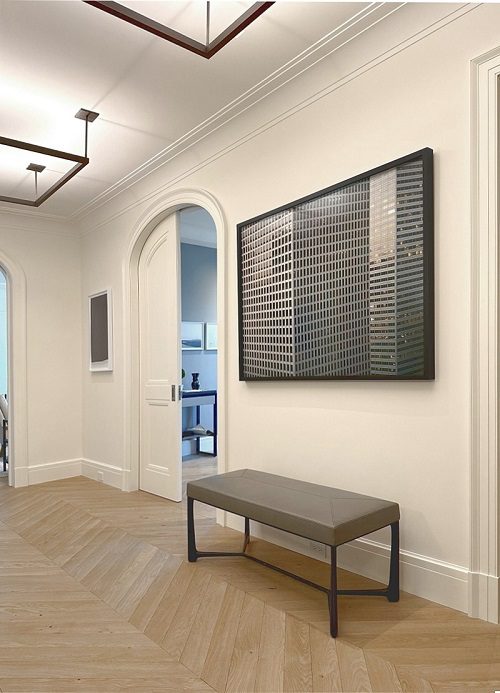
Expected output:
(249, 346)
(199, 343)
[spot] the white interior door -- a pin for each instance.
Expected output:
(160, 367)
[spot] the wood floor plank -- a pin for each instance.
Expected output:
(127, 600)
(483, 686)
(325, 663)
(185, 615)
(198, 642)
(147, 606)
(271, 660)
(298, 666)
(89, 556)
(412, 682)
(63, 553)
(382, 674)
(216, 668)
(163, 616)
(353, 670)
(243, 668)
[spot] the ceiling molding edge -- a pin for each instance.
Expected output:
(385, 55)
(35, 215)
(71, 230)
(71, 233)
(312, 55)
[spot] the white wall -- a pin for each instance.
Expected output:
(404, 441)
(48, 253)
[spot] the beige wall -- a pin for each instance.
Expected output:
(404, 441)
(47, 252)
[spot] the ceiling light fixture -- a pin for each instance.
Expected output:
(206, 50)
(43, 153)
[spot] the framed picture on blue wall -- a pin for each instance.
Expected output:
(211, 336)
(192, 336)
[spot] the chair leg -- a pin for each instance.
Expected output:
(332, 596)
(393, 587)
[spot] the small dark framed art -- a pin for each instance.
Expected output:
(101, 331)
(340, 284)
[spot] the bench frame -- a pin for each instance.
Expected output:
(391, 592)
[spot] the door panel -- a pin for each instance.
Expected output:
(159, 310)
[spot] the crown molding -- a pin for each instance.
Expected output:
(177, 179)
(24, 220)
(16, 211)
(339, 37)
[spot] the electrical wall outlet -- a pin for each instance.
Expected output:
(100, 476)
(318, 550)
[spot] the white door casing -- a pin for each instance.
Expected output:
(159, 354)
(484, 569)
(17, 349)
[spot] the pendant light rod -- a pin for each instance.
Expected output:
(36, 168)
(208, 25)
(88, 117)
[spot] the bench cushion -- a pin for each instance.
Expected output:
(321, 513)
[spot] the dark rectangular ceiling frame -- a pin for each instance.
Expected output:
(165, 32)
(80, 162)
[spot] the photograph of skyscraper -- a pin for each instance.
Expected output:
(334, 286)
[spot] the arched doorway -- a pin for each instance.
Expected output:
(15, 368)
(159, 211)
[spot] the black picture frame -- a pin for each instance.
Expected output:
(101, 331)
(428, 372)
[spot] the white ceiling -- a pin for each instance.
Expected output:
(56, 57)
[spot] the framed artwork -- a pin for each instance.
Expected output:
(192, 336)
(340, 284)
(211, 336)
(101, 331)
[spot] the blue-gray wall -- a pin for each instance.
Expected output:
(199, 304)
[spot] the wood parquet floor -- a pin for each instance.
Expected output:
(96, 595)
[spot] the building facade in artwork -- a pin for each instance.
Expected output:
(396, 271)
(334, 286)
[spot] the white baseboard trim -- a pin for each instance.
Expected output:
(444, 583)
(48, 471)
(64, 469)
(101, 471)
(423, 576)
(19, 476)
(484, 597)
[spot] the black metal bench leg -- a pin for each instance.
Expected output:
(332, 596)
(393, 587)
(192, 553)
(247, 534)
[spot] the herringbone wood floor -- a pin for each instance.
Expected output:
(95, 595)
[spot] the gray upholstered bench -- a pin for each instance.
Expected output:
(320, 513)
